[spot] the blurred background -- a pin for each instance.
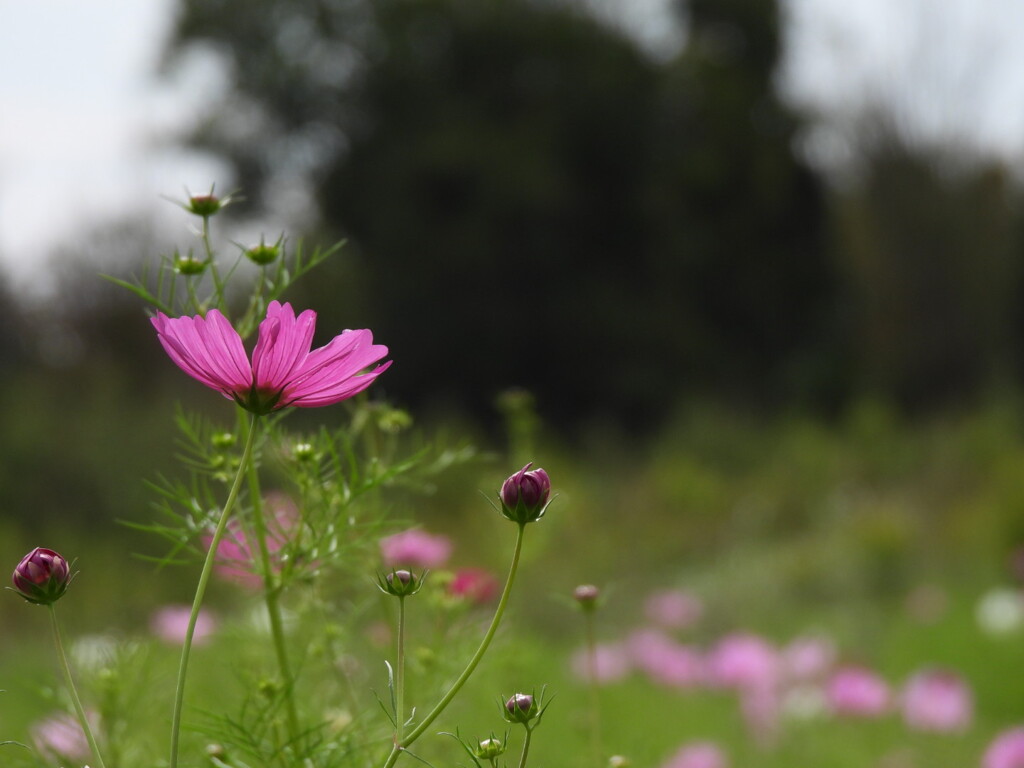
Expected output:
(746, 275)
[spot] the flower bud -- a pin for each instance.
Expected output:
(42, 576)
(264, 254)
(521, 708)
(489, 749)
(187, 264)
(524, 495)
(205, 205)
(586, 596)
(401, 583)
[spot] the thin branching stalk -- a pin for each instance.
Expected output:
(595, 704)
(473, 662)
(400, 674)
(526, 746)
(271, 593)
(77, 702)
(204, 579)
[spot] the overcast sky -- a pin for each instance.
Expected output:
(81, 115)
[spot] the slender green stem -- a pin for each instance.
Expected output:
(595, 706)
(79, 709)
(400, 674)
(271, 592)
(526, 746)
(473, 662)
(204, 579)
(214, 272)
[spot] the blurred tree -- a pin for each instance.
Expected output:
(532, 200)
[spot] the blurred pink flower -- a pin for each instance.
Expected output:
(761, 706)
(1006, 750)
(283, 371)
(808, 658)
(474, 584)
(238, 559)
(170, 624)
(937, 700)
(698, 754)
(60, 737)
(743, 661)
(610, 662)
(415, 549)
(673, 609)
(857, 691)
(666, 661)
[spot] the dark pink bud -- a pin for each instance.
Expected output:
(519, 705)
(42, 576)
(524, 496)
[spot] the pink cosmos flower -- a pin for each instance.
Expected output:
(170, 624)
(808, 658)
(666, 661)
(60, 737)
(609, 663)
(743, 661)
(698, 754)
(1006, 750)
(283, 371)
(474, 584)
(415, 549)
(857, 691)
(238, 558)
(937, 700)
(673, 609)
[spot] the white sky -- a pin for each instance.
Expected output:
(80, 114)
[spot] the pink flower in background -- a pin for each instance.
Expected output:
(170, 624)
(857, 691)
(1006, 750)
(415, 549)
(743, 661)
(609, 663)
(60, 737)
(474, 584)
(673, 609)
(937, 700)
(808, 658)
(238, 559)
(283, 371)
(698, 754)
(665, 661)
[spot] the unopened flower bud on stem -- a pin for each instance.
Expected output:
(524, 496)
(42, 576)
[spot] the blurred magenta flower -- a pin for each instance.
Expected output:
(673, 609)
(474, 584)
(610, 662)
(415, 549)
(743, 661)
(698, 754)
(666, 661)
(238, 558)
(171, 622)
(937, 700)
(1006, 750)
(60, 737)
(284, 372)
(857, 691)
(42, 576)
(524, 495)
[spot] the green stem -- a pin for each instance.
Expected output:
(271, 592)
(473, 662)
(214, 272)
(204, 579)
(400, 674)
(526, 746)
(595, 707)
(79, 709)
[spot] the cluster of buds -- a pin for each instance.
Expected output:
(525, 495)
(42, 576)
(401, 583)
